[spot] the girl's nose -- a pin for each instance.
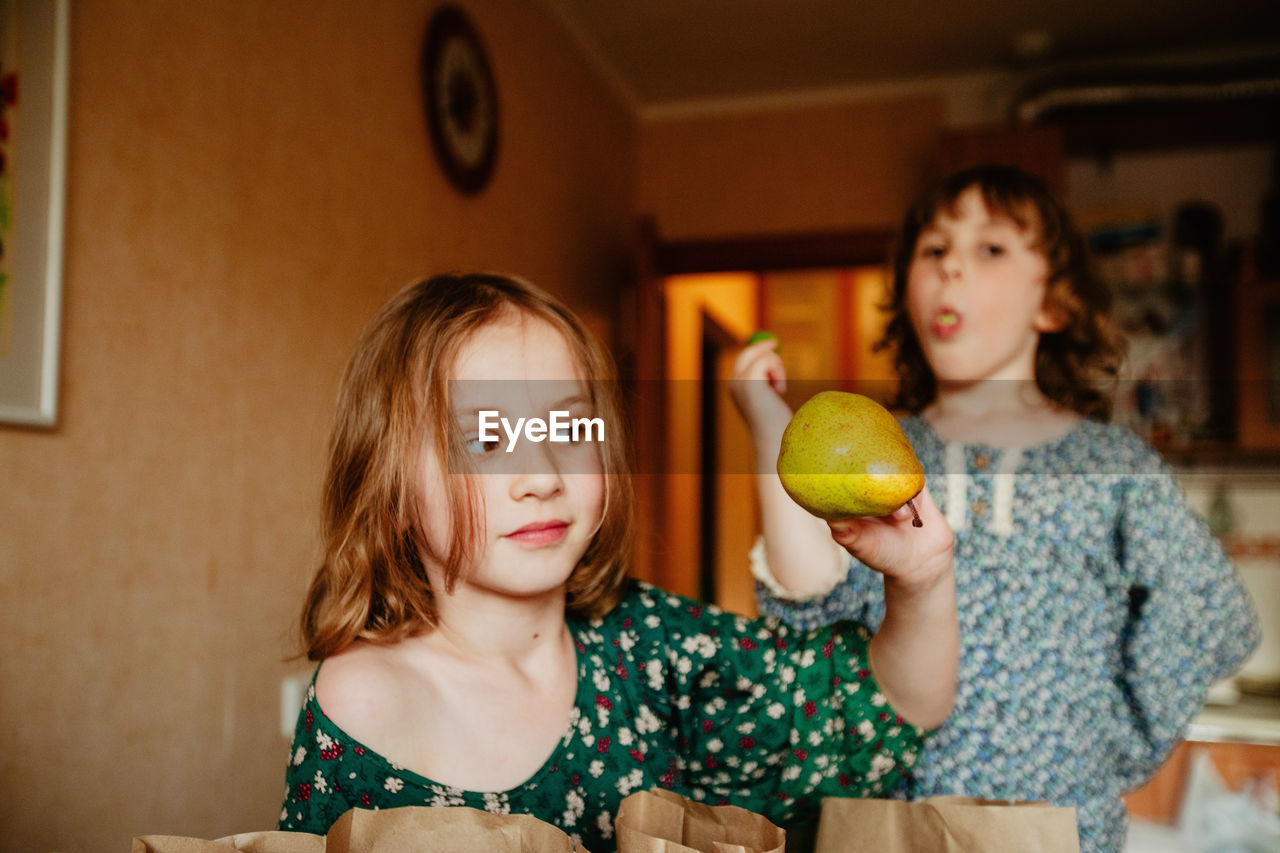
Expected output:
(951, 267)
(536, 473)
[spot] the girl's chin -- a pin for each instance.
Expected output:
(970, 382)
(958, 380)
(949, 374)
(524, 593)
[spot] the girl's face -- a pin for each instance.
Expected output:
(976, 295)
(542, 501)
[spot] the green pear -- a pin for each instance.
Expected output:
(845, 455)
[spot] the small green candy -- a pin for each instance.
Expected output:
(762, 335)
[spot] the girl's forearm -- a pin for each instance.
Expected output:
(802, 557)
(915, 654)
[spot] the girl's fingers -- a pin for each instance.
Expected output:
(751, 357)
(892, 544)
(902, 513)
(776, 374)
(764, 365)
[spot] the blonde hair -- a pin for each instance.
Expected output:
(372, 583)
(1072, 364)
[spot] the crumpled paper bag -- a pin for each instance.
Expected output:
(660, 821)
(945, 825)
(452, 829)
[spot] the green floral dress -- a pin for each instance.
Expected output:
(672, 694)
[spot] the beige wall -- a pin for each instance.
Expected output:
(248, 180)
(814, 167)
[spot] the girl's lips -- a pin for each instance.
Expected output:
(946, 324)
(540, 533)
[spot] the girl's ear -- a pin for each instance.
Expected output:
(1052, 318)
(1054, 313)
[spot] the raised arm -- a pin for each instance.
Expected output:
(798, 548)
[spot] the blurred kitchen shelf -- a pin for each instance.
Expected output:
(1251, 719)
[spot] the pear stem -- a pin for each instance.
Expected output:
(915, 516)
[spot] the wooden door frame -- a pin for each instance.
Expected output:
(715, 339)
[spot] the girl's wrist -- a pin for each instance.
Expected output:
(930, 576)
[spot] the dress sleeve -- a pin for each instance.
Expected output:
(1191, 621)
(858, 595)
(315, 795)
(772, 719)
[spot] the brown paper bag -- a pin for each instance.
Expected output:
(444, 830)
(661, 821)
(454, 829)
(249, 842)
(945, 825)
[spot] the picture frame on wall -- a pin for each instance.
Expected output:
(33, 94)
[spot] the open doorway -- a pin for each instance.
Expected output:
(707, 318)
(729, 279)
(828, 320)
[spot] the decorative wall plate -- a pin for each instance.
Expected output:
(460, 98)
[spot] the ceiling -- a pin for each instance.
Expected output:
(664, 52)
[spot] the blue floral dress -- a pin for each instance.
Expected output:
(1095, 611)
(672, 694)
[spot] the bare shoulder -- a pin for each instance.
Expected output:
(362, 687)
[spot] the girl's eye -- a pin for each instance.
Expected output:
(992, 250)
(932, 252)
(480, 447)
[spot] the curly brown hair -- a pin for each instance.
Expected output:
(1073, 364)
(372, 583)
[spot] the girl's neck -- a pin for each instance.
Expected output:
(998, 413)
(491, 629)
(990, 397)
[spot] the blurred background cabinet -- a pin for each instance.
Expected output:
(1258, 350)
